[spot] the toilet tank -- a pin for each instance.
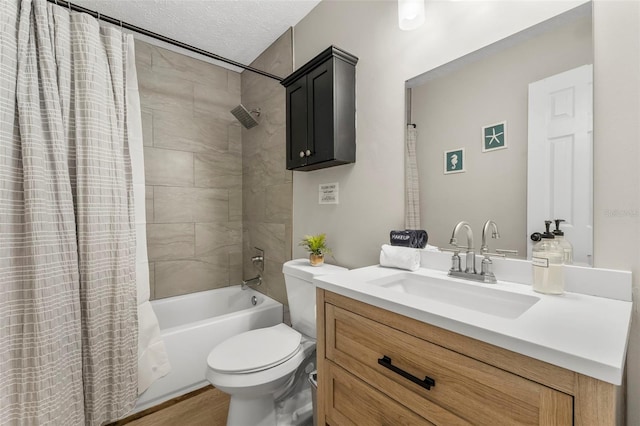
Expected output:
(301, 293)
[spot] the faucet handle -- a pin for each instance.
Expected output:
(455, 259)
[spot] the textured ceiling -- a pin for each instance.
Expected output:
(235, 29)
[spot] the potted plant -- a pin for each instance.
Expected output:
(317, 247)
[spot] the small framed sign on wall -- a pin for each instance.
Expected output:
(494, 136)
(454, 161)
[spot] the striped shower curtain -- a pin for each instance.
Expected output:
(412, 186)
(68, 309)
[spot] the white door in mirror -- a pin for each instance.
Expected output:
(560, 155)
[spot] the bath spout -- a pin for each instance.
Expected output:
(255, 281)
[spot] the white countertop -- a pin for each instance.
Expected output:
(582, 333)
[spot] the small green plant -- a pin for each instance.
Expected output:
(315, 244)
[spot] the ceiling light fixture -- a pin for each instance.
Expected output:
(410, 14)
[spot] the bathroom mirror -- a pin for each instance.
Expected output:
(479, 120)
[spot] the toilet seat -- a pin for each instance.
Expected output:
(255, 350)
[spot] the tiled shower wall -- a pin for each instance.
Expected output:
(193, 170)
(267, 196)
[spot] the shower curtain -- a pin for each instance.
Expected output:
(153, 361)
(68, 296)
(412, 185)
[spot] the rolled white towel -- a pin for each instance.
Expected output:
(399, 257)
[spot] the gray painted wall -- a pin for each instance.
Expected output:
(449, 112)
(372, 200)
(372, 189)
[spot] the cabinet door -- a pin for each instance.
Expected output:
(464, 390)
(297, 123)
(353, 402)
(321, 111)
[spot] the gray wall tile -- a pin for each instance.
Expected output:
(152, 281)
(274, 281)
(214, 100)
(143, 55)
(235, 137)
(266, 184)
(191, 131)
(235, 204)
(198, 236)
(234, 81)
(148, 198)
(279, 203)
(220, 170)
(168, 167)
(149, 203)
(166, 62)
(177, 277)
(235, 268)
(163, 93)
(265, 168)
(253, 203)
(269, 237)
(176, 205)
(193, 159)
(218, 238)
(170, 241)
(147, 128)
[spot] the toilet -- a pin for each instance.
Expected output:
(256, 365)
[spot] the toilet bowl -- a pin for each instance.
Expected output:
(254, 366)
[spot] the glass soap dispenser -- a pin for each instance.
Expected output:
(547, 261)
(564, 244)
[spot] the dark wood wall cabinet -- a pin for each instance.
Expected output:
(321, 112)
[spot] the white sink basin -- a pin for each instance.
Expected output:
(477, 297)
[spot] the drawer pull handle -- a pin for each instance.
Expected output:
(385, 361)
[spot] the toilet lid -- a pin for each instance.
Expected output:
(255, 350)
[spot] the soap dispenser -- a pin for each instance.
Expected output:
(564, 244)
(548, 275)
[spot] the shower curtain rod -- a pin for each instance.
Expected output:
(125, 25)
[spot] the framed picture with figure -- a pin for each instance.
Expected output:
(454, 161)
(494, 136)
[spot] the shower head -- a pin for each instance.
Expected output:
(245, 117)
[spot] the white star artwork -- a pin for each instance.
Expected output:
(494, 136)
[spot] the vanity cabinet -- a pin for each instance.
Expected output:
(376, 367)
(321, 101)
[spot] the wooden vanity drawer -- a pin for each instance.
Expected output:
(466, 391)
(352, 402)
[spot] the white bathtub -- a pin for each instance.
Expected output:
(195, 323)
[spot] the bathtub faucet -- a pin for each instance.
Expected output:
(255, 281)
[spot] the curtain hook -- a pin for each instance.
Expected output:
(98, 17)
(69, 6)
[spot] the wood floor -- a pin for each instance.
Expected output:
(208, 407)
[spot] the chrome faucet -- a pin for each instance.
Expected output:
(494, 234)
(258, 264)
(485, 266)
(470, 261)
(486, 274)
(255, 281)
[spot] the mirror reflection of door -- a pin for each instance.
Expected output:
(452, 104)
(560, 157)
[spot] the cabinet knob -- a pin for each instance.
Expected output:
(308, 153)
(301, 154)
